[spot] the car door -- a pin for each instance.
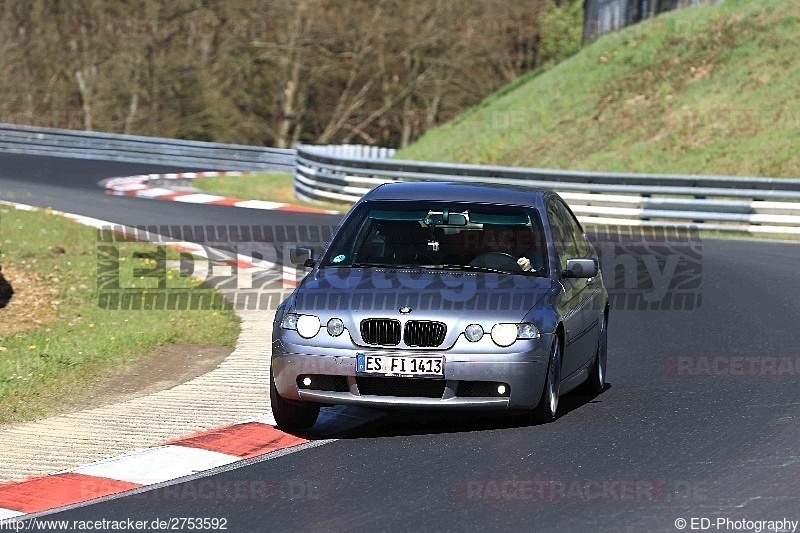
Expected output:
(589, 305)
(573, 289)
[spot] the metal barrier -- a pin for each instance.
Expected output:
(139, 149)
(346, 173)
(605, 16)
(723, 203)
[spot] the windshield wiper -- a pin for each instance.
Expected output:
(427, 267)
(467, 267)
(382, 265)
(447, 266)
(483, 269)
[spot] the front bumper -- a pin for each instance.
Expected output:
(523, 372)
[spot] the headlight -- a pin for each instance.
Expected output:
(473, 332)
(504, 334)
(335, 327)
(527, 331)
(289, 321)
(306, 325)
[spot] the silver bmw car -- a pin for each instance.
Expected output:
(443, 295)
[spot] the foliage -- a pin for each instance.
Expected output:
(562, 29)
(708, 90)
(262, 72)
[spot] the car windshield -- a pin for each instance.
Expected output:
(458, 236)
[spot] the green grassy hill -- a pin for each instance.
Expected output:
(711, 90)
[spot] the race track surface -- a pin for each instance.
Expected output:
(670, 438)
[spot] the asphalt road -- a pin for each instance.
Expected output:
(660, 444)
(70, 185)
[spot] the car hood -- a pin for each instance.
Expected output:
(457, 298)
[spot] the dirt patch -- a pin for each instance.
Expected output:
(35, 302)
(167, 367)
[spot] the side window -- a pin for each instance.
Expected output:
(574, 229)
(561, 229)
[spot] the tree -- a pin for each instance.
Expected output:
(268, 72)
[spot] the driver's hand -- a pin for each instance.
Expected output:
(524, 263)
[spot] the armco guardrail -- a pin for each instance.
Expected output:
(724, 203)
(345, 173)
(139, 149)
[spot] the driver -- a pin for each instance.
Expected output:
(524, 263)
(505, 240)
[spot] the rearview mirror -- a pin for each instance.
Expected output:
(457, 219)
(445, 219)
(581, 268)
(301, 256)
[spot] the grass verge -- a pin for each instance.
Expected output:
(268, 186)
(54, 337)
(707, 90)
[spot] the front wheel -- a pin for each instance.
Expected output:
(288, 414)
(548, 404)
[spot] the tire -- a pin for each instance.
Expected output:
(596, 383)
(547, 409)
(291, 415)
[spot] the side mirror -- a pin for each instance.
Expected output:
(581, 268)
(301, 256)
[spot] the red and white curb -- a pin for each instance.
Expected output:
(139, 186)
(174, 460)
(179, 460)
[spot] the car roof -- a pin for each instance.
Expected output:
(458, 192)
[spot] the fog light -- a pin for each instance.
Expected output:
(307, 381)
(501, 390)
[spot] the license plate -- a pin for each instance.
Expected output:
(390, 365)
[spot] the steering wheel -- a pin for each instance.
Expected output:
(497, 261)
